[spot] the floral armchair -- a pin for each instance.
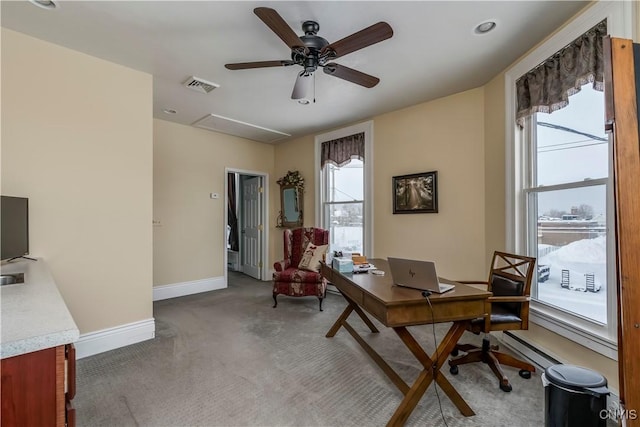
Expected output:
(289, 278)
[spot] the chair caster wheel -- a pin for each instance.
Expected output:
(454, 353)
(453, 370)
(525, 374)
(506, 387)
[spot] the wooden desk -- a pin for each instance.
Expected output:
(397, 307)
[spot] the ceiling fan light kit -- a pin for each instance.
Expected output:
(304, 88)
(311, 51)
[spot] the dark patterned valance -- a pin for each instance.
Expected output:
(547, 87)
(340, 151)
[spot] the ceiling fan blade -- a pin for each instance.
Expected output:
(349, 74)
(363, 38)
(258, 64)
(274, 21)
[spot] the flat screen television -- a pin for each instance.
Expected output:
(14, 219)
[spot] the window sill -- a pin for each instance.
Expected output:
(549, 319)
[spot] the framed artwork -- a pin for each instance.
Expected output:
(416, 193)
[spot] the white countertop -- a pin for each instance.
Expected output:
(33, 315)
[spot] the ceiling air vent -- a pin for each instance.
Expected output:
(200, 85)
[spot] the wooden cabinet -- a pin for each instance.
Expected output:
(37, 388)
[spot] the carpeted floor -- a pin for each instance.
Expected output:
(227, 358)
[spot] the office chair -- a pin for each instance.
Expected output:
(508, 309)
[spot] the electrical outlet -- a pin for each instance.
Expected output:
(214, 195)
(156, 223)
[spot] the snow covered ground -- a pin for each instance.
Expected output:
(580, 258)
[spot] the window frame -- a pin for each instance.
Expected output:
(367, 222)
(602, 339)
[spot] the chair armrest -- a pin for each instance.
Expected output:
(515, 298)
(282, 265)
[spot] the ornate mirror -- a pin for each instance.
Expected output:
(291, 191)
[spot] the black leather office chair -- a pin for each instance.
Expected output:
(508, 309)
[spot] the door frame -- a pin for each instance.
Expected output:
(263, 216)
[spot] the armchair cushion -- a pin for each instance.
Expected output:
(312, 256)
(297, 276)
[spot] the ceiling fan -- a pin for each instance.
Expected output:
(312, 51)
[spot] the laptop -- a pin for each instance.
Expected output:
(417, 275)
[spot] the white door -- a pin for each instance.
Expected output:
(251, 226)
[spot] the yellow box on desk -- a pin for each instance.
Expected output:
(359, 259)
(343, 265)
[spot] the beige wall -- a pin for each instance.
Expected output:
(637, 23)
(444, 135)
(188, 165)
(494, 166)
(77, 141)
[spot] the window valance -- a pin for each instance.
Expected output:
(547, 87)
(340, 151)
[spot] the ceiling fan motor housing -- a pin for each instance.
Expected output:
(310, 27)
(314, 44)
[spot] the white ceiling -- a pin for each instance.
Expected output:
(433, 52)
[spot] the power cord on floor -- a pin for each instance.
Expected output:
(426, 295)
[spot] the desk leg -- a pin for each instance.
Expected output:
(447, 345)
(365, 319)
(432, 367)
(342, 322)
(411, 399)
(388, 370)
(343, 318)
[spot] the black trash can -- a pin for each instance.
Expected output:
(574, 397)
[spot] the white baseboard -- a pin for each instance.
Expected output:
(187, 288)
(112, 338)
(542, 359)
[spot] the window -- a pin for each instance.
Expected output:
(559, 197)
(343, 212)
(566, 191)
(343, 201)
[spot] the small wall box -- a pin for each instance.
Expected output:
(343, 265)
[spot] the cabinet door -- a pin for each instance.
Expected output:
(29, 384)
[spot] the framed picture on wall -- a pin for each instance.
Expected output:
(416, 193)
